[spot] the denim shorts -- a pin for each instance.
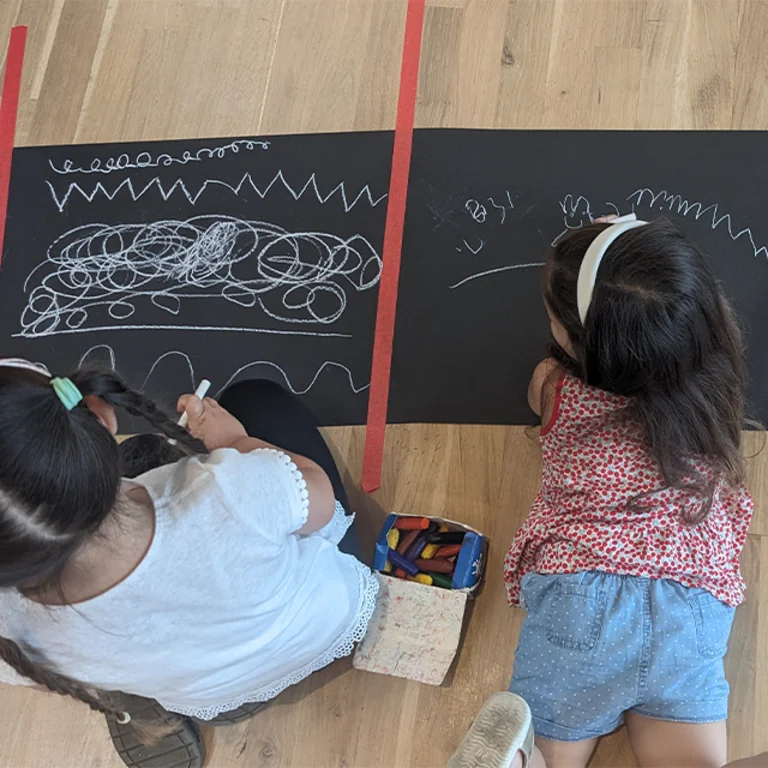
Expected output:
(595, 645)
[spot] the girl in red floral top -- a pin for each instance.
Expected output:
(628, 564)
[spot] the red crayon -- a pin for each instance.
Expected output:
(406, 540)
(449, 550)
(412, 523)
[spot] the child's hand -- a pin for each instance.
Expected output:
(209, 422)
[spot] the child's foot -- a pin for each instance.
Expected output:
(177, 742)
(501, 736)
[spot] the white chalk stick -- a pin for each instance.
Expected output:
(200, 392)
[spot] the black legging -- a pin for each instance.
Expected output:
(269, 412)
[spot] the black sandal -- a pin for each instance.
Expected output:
(179, 747)
(235, 716)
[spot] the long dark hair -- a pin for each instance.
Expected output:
(660, 331)
(59, 480)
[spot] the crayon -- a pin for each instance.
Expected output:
(430, 551)
(406, 540)
(417, 547)
(401, 562)
(412, 523)
(449, 550)
(422, 578)
(452, 537)
(435, 565)
(441, 581)
(399, 573)
(393, 536)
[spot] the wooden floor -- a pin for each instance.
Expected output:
(111, 70)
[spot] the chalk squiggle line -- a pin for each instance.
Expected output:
(193, 196)
(494, 271)
(110, 352)
(305, 276)
(675, 203)
(356, 389)
(145, 159)
(327, 364)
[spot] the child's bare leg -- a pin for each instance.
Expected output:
(756, 761)
(566, 754)
(665, 744)
(537, 761)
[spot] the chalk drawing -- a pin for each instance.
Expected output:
(479, 212)
(476, 210)
(159, 327)
(356, 389)
(124, 161)
(294, 277)
(677, 204)
(496, 271)
(576, 213)
(179, 188)
(477, 250)
(193, 379)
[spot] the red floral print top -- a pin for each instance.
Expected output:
(594, 464)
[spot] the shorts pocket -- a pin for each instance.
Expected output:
(713, 620)
(575, 616)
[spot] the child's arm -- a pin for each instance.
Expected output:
(218, 428)
(543, 387)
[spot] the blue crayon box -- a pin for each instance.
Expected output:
(469, 563)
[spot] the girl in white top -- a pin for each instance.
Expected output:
(205, 585)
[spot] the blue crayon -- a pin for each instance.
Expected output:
(401, 562)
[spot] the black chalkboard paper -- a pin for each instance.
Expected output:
(486, 205)
(228, 258)
(189, 259)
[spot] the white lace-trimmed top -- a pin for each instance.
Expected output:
(228, 606)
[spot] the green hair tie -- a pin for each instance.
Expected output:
(67, 392)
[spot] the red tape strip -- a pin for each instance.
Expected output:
(9, 106)
(378, 397)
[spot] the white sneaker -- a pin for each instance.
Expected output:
(501, 729)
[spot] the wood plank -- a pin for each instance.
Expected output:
(750, 107)
(317, 83)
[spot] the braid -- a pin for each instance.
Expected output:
(138, 404)
(113, 390)
(12, 655)
(147, 730)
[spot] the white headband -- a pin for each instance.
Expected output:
(594, 255)
(18, 362)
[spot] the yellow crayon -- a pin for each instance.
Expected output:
(429, 551)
